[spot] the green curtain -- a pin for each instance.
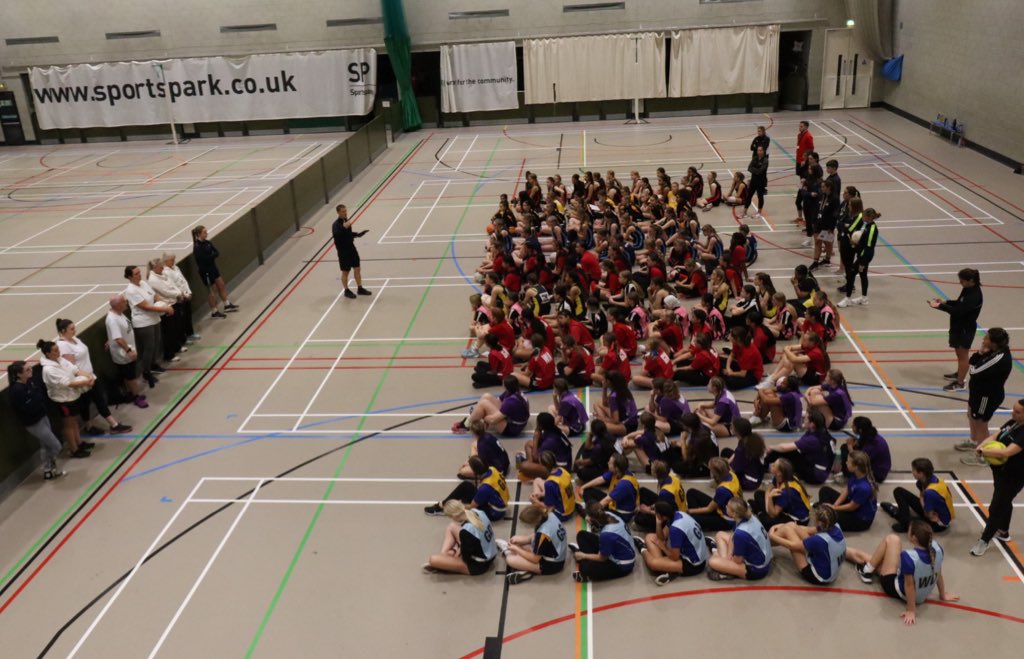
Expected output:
(396, 40)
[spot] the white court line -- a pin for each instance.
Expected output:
(199, 220)
(856, 151)
(448, 433)
(298, 156)
(918, 193)
(940, 329)
(442, 235)
(407, 202)
(307, 161)
(291, 361)
(981, 520)
(177, 165)
(206, 569)
(394, 340)
(341, 354)
(987, 215)
(459, 166)
(347, 416)
(878, 378)
(133, 194)
(135, 570)
(426, 217)
(878, 150)
(107, 199)
(711, 146)
(61, 172)
(437, 162)
(48, 318)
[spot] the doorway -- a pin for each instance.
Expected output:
(846, 73)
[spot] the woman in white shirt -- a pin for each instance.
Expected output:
(147, 308)
(64, 386)
(171, 332)
(75, 351)
(183, 308)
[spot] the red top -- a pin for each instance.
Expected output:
(706, 361)
(613, 283)
(616, 360)
(766, 347)
(500, 361)
(590, 265)
(817, 362)
(625, 336)
(699, 281)
(672, 334)
(658, 365)
(579, 331)
(748, 358)
(580, 361)
(512, 281)
(542, 367)
(804, 143)
(506, 335)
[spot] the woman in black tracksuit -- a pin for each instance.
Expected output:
(963, 321)
(990, 367)
(758, 169)
(863, 254)
(851, 219)
(812, 201)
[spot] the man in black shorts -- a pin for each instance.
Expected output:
(348, 255)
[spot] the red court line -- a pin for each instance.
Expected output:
(331, 359)
(742, 589)
(326, 250)
(327, 368)
(519, 177)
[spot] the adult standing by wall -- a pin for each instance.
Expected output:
(172, 337)
(963, 321)
(1008, 478)
(75, 351)
(183, 309)
(348, 255)
(29, 402)
(758, 169)
(989, 369)
(64, 385)
(205, 254)
(804, 143)
(121, 345)
(147, 308)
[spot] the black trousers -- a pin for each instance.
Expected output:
(482, 377)
(170, 333)
(811, 208)
(692, 378)
(590, 543)
(847, 520)
(801, 466)
(1007, 486)
(183, 312)
(757, 505)
(909, 508)
(642, 520)
(734, 382)
(758, 186)
(464, 492)
(96, 396)
(709, 522)
(852, 272)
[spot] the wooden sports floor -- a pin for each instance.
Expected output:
(271, 505)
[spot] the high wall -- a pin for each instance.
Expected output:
(964, 60)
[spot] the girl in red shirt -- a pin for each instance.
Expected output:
(613, 358)
(808, 361)
(657, 364)
(578, 365)
(702, 365)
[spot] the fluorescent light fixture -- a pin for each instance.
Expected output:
(482, 13)
(28, 41)
(348, 22)
(257, 27)
(138, 34)
(593, 6)
(850, 22)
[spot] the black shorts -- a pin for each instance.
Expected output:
(983, 406)
(632, 424)
(785, 426)
(810, 378)
(808, 574)
(691, 570)
(68, 410)
(348, 259)
(476, 568)
(675, 427)
(209, 276)
(889, 585)
(837, 424)
(512, 430)
(128, 371)
(551, 567)
(961, 339)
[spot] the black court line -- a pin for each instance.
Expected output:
(558, 165)
(627, 146)
(1012, 556)
(931, 394)
(492, 644)
(163, 418)
(239, 499)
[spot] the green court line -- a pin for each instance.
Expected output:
(179, 394)
(373, 400)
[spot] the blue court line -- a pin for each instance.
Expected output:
(783, 149)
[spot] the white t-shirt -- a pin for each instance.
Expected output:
(137, 295)
(58, 376)
(79, 351)
(163, 285)
(119, 327)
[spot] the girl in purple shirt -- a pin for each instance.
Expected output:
(813, 454)
(832, 399)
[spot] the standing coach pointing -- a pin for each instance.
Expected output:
(348, 255)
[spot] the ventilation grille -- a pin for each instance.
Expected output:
(347, 22)
(257, 27)
(28, 41)
(484, 13)
(140, 34)
(593, 6)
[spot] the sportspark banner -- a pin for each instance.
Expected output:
(195, 90)
(478, 77)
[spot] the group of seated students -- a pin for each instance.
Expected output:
(584, 285)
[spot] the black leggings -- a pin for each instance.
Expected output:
(692, 378)
(464, 492)
(734, 382)
(847, 519)
(758, 186)
(96, 396)
(852, 272)
(642, 520)
(590, 543)
(709, 522)
(909, 508)
(482, 377)
(1007, 486)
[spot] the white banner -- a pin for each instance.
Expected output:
(731, 60)
(477, 77)
(195, 90)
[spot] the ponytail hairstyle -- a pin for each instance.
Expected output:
(999, 338)
(862, 462)
(596, 514)
(45, 346)
(478, 428)
(754, 446)
(598, 431)
(971, 275)
(647, 421)
(837, 376)
(817, 420)
(741, 428)
(856, 206)
(925, 466)
(872, 214)
(534, 515)
(560, 385)
(547, 458)
(824, 516)
(511, 384)
(719, 468)
(455, 508)
(921, 532)
(195, 233)
(792, 383)
(703, 340)
(546, 422)
(621, 463)
(617, 383)
(717, 385)
(63, 324)
(785, 469)
(476, 465)
(14, 370)
(738, 508)
(864, 429)
(664, 509)
(670, 390)
(659, 469)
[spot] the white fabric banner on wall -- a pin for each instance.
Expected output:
(480, 76)
(279, 86)
(731, 60)
(619, 66)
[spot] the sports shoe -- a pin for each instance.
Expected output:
(715, 575)
(230, 307)
(712, 545)
(764, 384)
(120, 429)
(845, 302)
(349, 294)
(758, 216)
(81, 453)
(218, 314)
(183, 348)
(152, 381)
(866, 577)
(966, 445)
(756, 420)
(573, 547)
(979, 548)
(175, 359)
(890, 508)
(54, 474)
(862, 300)
(467, 353)
(814, 265)
(955, 386)
(157, 369)
(900, 528)
(434, 510)
(458, 428)
(520, 458)
(363, 291)
(578, 577)
(1003, 536)
(194, 337)
(973, 460)
(88, 446)
(806, 242)
(839, 478)
(93, 431)
(519, 576)
(951, 376)
(502, 545)
(141, 402)
(430, 569)
(664, 578)
(639, 543)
